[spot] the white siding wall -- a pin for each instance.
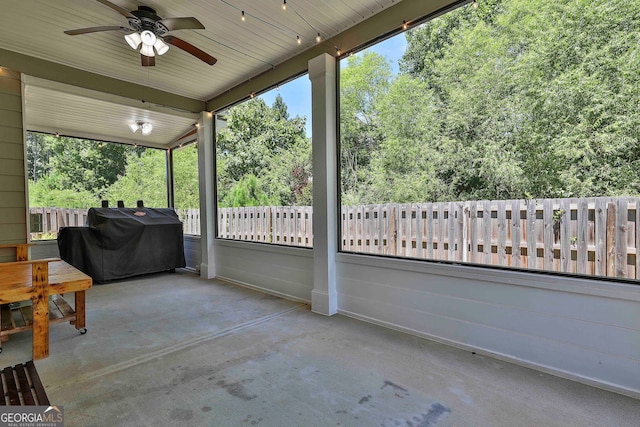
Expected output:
(192, 251)
(12, 179)
(283, 271)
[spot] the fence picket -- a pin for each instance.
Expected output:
(516, 234)
(582, 256)
(419, 227)
(636, 229)
(531, 235)
(502, 232)
(429, 231)
(459, 242)
(621, 230)
(611, 240)
(549, 234)
(565, 235)
(487, 244)
(600, 236)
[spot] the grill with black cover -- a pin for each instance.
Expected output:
(124, 242)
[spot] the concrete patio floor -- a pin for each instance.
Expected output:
(177, 350)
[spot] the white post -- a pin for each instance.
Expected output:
(206, 178)
(324, 298)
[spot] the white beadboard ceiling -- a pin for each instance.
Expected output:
(243, 50)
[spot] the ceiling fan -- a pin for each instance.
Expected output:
(148, 32)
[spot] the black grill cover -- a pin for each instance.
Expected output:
(124, 242)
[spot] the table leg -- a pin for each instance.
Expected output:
(40, 306)
(80, 310)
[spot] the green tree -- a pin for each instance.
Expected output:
(38, 155)
(44, 194)
(363, 81)
(404, 169)
(185, 177)
(144, 179)
(87, 165)
(535, 98)
(428, 43)
(247, 192)
(263, 142)
(69, 172)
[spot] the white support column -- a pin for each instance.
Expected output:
(324, 298)
(206, 178)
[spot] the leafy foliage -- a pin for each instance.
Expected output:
(185, 177)
(263, 155)
(364, 80)
(144, 179)
(517, 99)
(76, 173)
(86, 165)
(43, 193)
(247, 192)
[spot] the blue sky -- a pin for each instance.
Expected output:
(297, 93)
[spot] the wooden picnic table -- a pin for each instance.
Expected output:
(36, 281)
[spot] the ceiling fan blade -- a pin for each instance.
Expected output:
(95, 30)
(189, 48)
(189, 23)
(121, 10)
(148, 61)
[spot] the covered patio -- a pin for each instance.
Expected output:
(260, 334)
(176, 349)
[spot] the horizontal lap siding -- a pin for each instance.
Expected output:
(12, 178)
(580, 335)
(281, 273)
(192, 251)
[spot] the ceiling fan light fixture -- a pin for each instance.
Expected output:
(147, 50)
(147, 33)
(134, 40)
(148, 38)
(161, 47)
(146, 128)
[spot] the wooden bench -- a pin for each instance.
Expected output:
(21, 385)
